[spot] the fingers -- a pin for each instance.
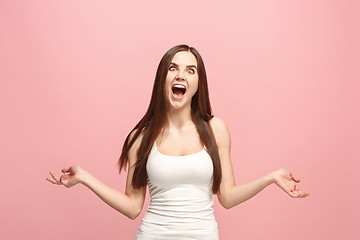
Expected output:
(299, 194)
(295, 179)
(295, 192)
(51, 180)
(302, 194)
(54, 179)
(288, 182)
(63, 180)
(66, 170)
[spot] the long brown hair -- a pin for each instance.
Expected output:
(154, 119)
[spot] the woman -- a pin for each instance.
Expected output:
(182, 153)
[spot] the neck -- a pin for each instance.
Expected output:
(178, 118)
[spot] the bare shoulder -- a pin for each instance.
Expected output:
(218, 123)
(221, 130)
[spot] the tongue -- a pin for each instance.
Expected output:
(178, 93)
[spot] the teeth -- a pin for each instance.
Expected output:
(179, 86)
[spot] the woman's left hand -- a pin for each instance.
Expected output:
(287, 182)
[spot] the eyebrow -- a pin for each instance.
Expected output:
(188, 66)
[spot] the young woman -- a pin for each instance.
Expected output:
(182, 153)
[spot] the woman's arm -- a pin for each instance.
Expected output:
(129, 203)
(231, 195)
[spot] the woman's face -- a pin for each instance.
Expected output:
(182, 80)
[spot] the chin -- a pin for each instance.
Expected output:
(175, 105)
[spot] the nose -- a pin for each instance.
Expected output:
(180, 75)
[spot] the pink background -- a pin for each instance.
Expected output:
(77, 75)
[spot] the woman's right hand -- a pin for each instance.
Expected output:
(70, 177)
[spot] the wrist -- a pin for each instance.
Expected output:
(84, 177)
(270, 178)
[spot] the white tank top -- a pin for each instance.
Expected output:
(181, 198)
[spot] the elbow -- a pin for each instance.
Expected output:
(225, 202)
(133, 208)
(133, 217)
(134, 214)
(226, 205)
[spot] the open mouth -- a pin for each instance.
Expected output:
(178, 90)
